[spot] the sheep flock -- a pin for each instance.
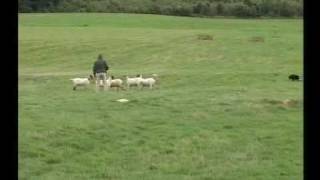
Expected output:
(117, 83)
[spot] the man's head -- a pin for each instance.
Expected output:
(100, 56)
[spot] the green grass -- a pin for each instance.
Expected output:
(215, 113)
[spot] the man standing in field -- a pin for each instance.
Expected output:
(100, 68)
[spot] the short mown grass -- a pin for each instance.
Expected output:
(215, 112)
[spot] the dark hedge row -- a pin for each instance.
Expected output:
(239, 8)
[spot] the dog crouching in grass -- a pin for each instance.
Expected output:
(294, 77)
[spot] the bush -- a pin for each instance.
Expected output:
(206, 9)
(243, 10)
(181, 10)
(268, 8)
(220, 9)
(213, 10)
(300, 9)
(288, 9)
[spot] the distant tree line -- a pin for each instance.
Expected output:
(209, 8)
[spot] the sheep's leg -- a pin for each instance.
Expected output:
(97, 84)
(74, 88)
(104, 84)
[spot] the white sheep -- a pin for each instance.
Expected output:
(147, 81)
(133, 81)
(117, 83)
(80, 82)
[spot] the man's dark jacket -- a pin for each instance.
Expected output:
(100, 66)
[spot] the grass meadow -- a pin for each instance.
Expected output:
(216, 112)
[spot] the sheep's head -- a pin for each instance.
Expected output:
(91, 78)
(112, 77)
(108, 82)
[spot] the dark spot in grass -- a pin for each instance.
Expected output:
(271, 101)
(169, 151)
(31, 154)
(228, 127)
(140, 127)
(141, 141)
(175, 111)
(153, 167)
(53, 161)
(134, 101)
(84, 25)
(106, 116)
(257, 39)
(264, 138)
(282, 108)
(283, 174)
(224, 104)
(76, 146)
(136, 132)
(267, 137)
(265, 158)
(205, 37)
(227, 110)
(89, 132)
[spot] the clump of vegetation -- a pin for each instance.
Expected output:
(283, 103)
(205, 37)
(257, 39)
(290, 103)
(271, 101)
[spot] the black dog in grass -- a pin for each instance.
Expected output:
(294, 77)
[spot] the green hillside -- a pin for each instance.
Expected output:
(217, 110)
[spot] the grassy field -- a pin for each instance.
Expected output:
(215, 114)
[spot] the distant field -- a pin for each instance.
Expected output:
(216, 112)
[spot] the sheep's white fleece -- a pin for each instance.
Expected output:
(80, 81)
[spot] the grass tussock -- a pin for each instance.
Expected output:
(205, 37)
(257, 39)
